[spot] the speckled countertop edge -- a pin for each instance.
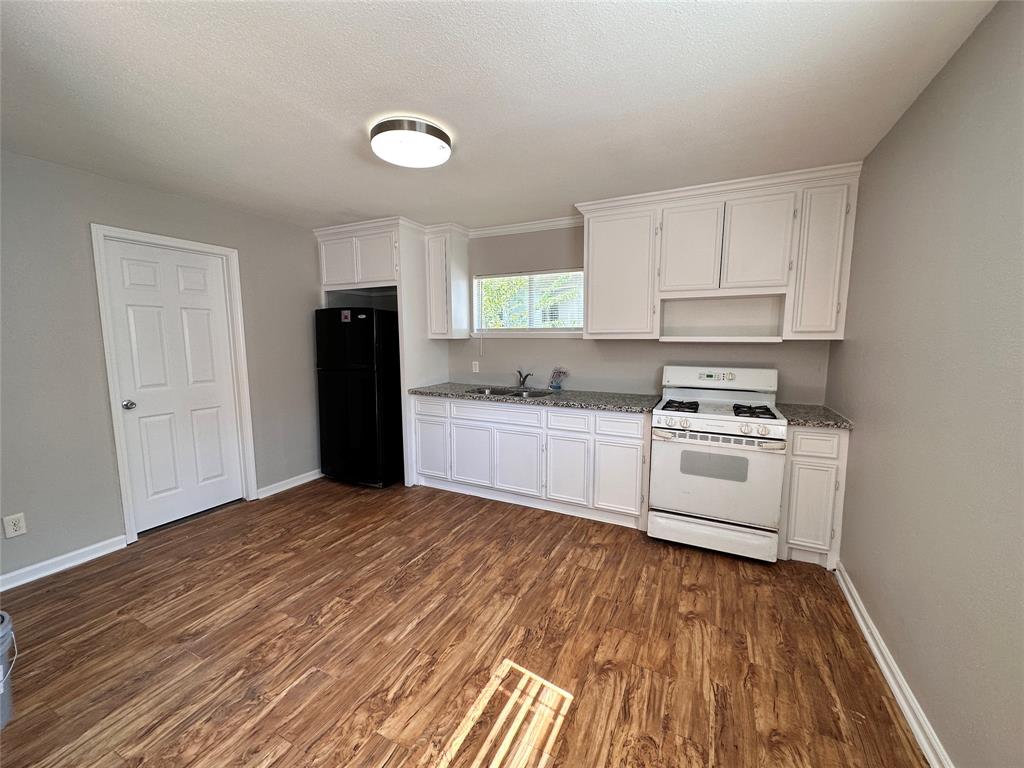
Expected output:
(800, 415)
(622, 402)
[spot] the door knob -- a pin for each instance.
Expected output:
(127, 404)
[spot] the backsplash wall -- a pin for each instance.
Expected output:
(612, 365)
(635, 366)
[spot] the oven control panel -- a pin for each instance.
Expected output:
(716, 376)
(741, 428)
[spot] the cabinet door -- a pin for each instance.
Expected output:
(618, 469)
(568, 464)
(518, 461)
(471, 454)
(812, 494)
(820, 260)
(758, 240)
(338, 261)
(619, 275)
(432, 448)
(376, 257)
(437, 286)
(691, 246)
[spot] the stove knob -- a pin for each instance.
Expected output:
(670, 421)
(684, 423)
(762, 430)
(746, 429)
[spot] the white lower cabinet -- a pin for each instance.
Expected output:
(561, 459)
(568, 468)
(432, 447)
(618, 475)
(471, 454)
(813, 495)
(519, 461)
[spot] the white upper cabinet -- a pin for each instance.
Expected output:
(691, 246)
(437, 285)
(376, 258)
(783, 240)
(352, 257)
(816, 304)
(448, 290)
(338, 261)
(619, 261)
(758, 240)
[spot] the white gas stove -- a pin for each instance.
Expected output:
(718, 447)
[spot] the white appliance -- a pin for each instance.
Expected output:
(718, 454)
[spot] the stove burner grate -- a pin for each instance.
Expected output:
(752, 411)
(684, 406)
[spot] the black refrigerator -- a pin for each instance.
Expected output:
(360, 396)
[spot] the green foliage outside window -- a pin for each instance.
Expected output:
(533, 301)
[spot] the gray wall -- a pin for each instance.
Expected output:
(57, 447)
(931, 374)
(619, 365)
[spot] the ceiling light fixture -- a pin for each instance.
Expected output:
(410, 142)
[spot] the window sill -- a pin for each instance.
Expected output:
(527, 334)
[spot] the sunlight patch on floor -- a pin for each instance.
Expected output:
(513, 723)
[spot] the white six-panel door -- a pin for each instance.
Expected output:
(169, 347)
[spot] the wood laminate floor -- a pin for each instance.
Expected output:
(332, 626)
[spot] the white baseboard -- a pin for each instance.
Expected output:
(291, 482)
(927, 739)
(61, 562)
(600, 515)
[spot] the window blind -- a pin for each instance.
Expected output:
(531, 301)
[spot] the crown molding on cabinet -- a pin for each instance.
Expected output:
(451, 226)
(754, 183)
(564, 222)
(365, 227)
(387, 224)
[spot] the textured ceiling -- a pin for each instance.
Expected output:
(267, 106)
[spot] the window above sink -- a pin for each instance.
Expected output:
(534, 304)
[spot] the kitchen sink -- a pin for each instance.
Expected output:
(528, 394)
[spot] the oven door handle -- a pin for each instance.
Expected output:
(671, 436)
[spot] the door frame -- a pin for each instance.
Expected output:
(236, 336)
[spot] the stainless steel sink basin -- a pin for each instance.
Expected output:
(527, 394)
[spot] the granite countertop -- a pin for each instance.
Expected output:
(566, 398)
(813, 416)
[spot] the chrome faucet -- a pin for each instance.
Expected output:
(522, 378)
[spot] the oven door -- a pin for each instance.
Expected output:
(732, 479)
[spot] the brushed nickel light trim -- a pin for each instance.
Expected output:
(410, 142)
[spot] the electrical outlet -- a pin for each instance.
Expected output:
(14, 525)
(476, 366)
